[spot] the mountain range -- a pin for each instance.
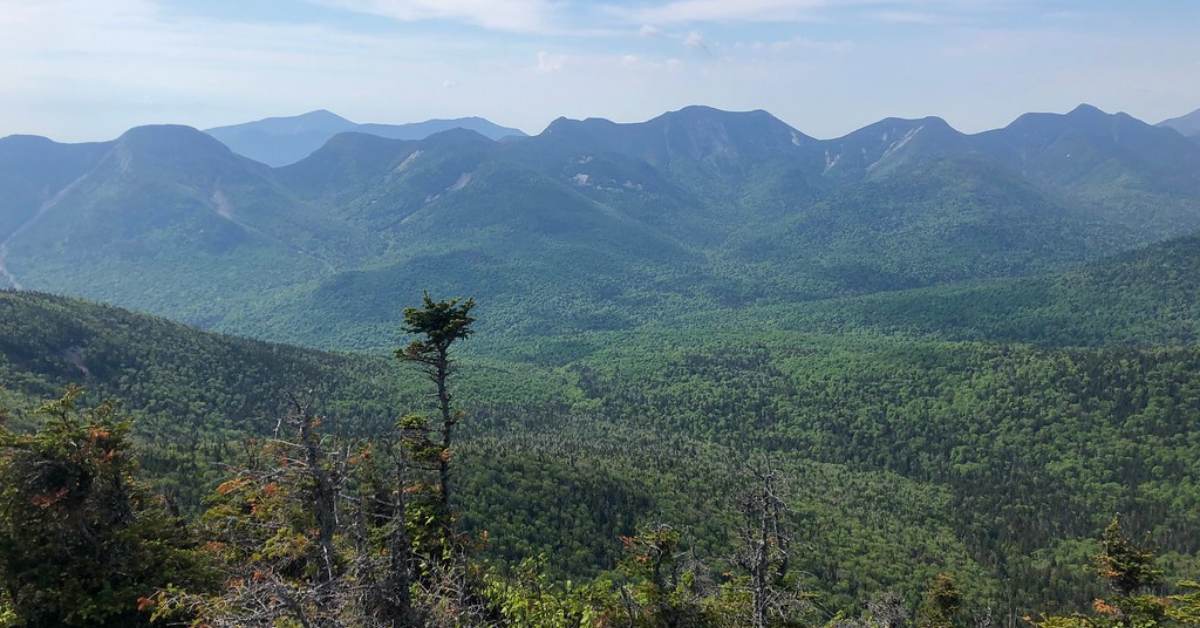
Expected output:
(286, 140)
(590, 225)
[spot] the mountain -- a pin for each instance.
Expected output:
(590, 225)
(875, 150)
(1187, 125)
(1138, 179)
(286, 140)
(33, 169)
(195, 222)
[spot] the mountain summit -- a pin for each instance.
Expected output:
(286, 140)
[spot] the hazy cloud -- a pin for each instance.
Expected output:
(720, 10)
(504, 15)
(548, 62)
(694, 40)
(804, 43)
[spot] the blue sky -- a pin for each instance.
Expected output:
(86, 70)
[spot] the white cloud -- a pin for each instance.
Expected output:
(726, 11)
(909, 17)
(549, 62)
(649, 31)
(502, 15)
(804, 43)
(629, 60)
(721, 10)
(694, 40)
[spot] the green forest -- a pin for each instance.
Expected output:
(610, 480)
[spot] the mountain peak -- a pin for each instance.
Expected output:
(24, 140)
(892, 129)
(319, 114)
(1085, 109)
(563, 125)
(173, 147)
(1084, 117)
(704, 112)
(456, 136)
(319, 120)
(169, 135)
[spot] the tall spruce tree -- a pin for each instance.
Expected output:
(438, 325)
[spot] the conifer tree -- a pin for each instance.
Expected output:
(1131, 574)
(1127, 568)
(941, 604)
(438, 325)
(82, 543)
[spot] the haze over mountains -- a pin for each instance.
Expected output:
(575, 228)
(286, 140)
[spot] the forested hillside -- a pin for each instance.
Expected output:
(1144, 298)
(905, 457)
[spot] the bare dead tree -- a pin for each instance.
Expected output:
(764, 551)
(887, 610)
(277, 531)
(389, 578)
(326, 485)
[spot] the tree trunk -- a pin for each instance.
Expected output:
(400, 548)
(443, 394)
(324, 498)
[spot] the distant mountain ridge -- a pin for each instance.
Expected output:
(583, 226)
(285, 140)
(1188, 125)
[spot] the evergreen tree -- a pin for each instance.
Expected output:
(1127, 568)
(82, 543)
(941, 605)
(1131, 574)
(439, 324)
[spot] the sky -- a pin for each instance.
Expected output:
(82, 70)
